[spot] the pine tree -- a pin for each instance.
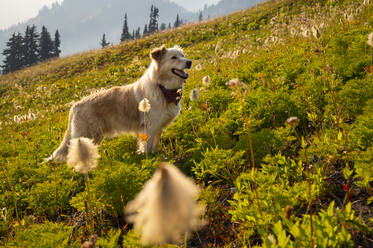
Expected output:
(155, 19)
(163, 26)
(46, 45)
(200, 17)
(138, 34)
(150, 26)
(14, 58)
(177, 21)
(145, 33)
(153, 22)
(169, 25)
(56, 44)
(103, 42)
(30, 46)
(125, 32)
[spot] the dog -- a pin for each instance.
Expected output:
(115, 111)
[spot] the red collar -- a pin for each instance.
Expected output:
(173, 95)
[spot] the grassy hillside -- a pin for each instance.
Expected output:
(291, 58)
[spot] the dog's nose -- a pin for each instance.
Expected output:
(188, 64)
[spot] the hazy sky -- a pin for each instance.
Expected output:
(15, 11)
(193, 4)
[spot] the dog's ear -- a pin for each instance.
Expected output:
(158, 53)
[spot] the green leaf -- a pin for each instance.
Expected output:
(340, 136)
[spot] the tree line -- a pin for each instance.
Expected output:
(149, 28)
(29, 49)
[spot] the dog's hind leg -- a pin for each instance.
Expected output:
(60, 153)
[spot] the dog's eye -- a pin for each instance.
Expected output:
(173, 57)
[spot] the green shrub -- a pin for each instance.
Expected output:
(279, 184)
(331, 229)
(47, 235)
(220, 165)
(50, 197)
(115, 185)
(363, 162)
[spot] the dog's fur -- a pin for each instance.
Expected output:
(115, 111)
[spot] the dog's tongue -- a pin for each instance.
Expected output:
(181, 73)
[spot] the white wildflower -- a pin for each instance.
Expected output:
(306, 33)
(370, 40)
(177, 47)
(166, 208)
(218, 46)
(198, 67)
(4, 214)
(350, 18)
(194, 95)
(144, 105)
(272, 239)
(82, 155)
(235, 82)
(91, 243)
(235, 54)
(206, 80)
(273, 20)
(345, 16)
(69, 104)
(315, 32)
(31, 116)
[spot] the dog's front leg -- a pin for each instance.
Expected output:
(156, 140)
(149, 143)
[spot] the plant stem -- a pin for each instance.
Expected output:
(348, 193)
(90, 217)
(310, 196)
(11, 190)
(253, 166)
(146, 143)
(186, 240)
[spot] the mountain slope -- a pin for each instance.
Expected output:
(289, 140)
(225, 7)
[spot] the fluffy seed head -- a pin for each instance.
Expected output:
(144, 105)
(82, 155)
(293, 121)
(166, 208)
(206, 80)
(370, 40)
(194, 95)
(198, 67)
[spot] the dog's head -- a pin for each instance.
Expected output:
(171, 65)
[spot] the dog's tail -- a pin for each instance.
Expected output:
(60, 153)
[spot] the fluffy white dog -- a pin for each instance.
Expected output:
(115, 111)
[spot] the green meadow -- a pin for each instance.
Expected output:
(268, 180)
